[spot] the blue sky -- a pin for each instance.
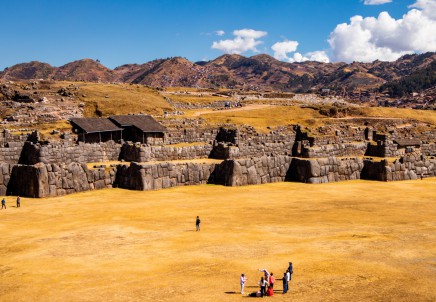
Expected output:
(128, 31)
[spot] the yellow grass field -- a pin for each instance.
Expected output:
(349, 241)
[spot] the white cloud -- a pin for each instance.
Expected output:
(386, 38)
(220, 32)
(376, 2)
(283, 49)
(428, 7)
(318, 56)
(245, 40)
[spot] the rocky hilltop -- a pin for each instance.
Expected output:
(260, 72)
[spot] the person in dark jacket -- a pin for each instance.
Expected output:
(197, 224)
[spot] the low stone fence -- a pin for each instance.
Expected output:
(338, 150)
(48, 180)
(143, 153)
(69, 153)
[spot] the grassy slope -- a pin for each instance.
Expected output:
(122, 99)
(278, 115)
(119, 245)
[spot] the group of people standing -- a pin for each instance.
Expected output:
(267, 282)
(4, 202)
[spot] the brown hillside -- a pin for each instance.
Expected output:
(84, 70)
(260, 72)
(28, 71)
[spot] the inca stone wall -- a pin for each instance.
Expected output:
(383, 149)
(5, 175)
(69, 153)
(254, 171)
(10, 152)
(144, 153)
(338, 150)
(406, 168)
(48, 180)
(323, 170)
(163, 175)
(429, 149)
(255, 150)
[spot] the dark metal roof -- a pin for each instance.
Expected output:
(407, 142)
(90, 125)
(145, 123)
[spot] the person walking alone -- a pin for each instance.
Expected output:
(18, 201)
(3, 203)
(197, 224)
(243, 279)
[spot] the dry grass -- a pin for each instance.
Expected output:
(274, 116)
(358, 241)
(196, 99)
(110, 99)
(426, 116)
(267, 117)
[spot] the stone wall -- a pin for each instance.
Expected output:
(10, 152)
(383, 149)
(429, 149)
(254, 171)
(323, 170)
(409, 167)
(5, 175)
(49, 180)
(338, 150)
(144, 153)
(68, 152)
(163, 175)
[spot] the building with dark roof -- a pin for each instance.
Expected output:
(140, 128)
(95, 130)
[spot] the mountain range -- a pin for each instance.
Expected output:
(260, 72)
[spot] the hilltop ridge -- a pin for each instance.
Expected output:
(259, 72)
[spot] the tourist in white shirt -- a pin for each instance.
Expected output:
(243, 279)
